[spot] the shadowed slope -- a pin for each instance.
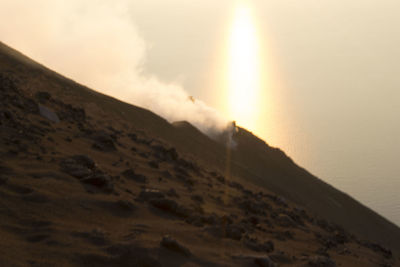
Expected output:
(253, 160)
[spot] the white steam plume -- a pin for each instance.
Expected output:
(95, 42)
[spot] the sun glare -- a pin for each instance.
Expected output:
(244, 70)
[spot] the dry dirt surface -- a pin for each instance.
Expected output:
(83, 187)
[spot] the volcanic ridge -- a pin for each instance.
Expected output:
(88, 180)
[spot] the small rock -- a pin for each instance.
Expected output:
(235, 185)
(387, 253)
(42, 96)
(153, 164)
(253, 244)
(197, 198)
(84, 160)
(100, 181)
(234, 232)
(96, 237)
(170, 206)
(48, 114)
(285, 221)
(281, 257)
(74, 168)
(103, 142)
(172, 193)
(321, 261)
(264, 262)
(149, 194)
(201, 220)
(132, 175)
(171, 244)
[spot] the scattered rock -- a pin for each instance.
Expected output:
(103, 141)
(236, 185)
(95, 237)
(201, 220)
(149, 194)
(99, 180)
(186, 180)
(84, 160)
(325, 225)
(285, 221)
(254, 245)
(281, 257)
(280, 201)
(253, 206)
(144, 155)
(3, 180)
(75, 169)
(170, 206)
(37, 238)
(378, 248)
(36, 198)
(42, 96)
(215, 231)
(166, 174)
(181, 171)
(172, 193)
(22, 190)
(259, 261)
(189, 165)
(197, 198)
(119, 208)
(284, 235)
(84, 168)
(264, 262)
(321, 261)
(132, 175)
(171, 244)
(234, 232)
(122, 255)
(153, 164)
(48, 114)
(165, 154)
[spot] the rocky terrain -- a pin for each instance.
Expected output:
(91, 181)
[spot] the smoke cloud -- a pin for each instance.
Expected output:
(96, 43)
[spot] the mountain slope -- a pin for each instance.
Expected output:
(123, 139)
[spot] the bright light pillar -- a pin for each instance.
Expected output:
(244, 73)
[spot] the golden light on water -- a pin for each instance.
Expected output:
(244, 67)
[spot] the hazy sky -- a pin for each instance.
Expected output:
(331, 100)
(336, 103)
